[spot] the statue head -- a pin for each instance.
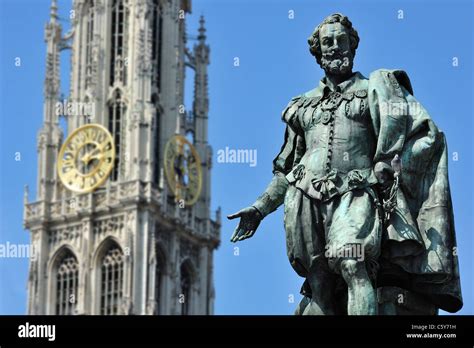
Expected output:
(334, 43)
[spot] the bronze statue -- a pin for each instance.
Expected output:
(363, 177)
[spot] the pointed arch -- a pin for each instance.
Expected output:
(186, 283)
(161, 270)
(156, 25)
(109, 264)
(64, 270)
(118, 44)
(117, 109)
(89, 20)
(156, 138)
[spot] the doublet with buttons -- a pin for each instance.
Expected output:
(339, 140)
(326, 166)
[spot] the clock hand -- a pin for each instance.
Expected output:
(86, 158)
(95, 153)
(90, 156)
(99, 156)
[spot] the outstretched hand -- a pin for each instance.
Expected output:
(250, 218)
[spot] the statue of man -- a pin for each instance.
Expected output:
(363, 177)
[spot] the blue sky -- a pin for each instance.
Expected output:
(245, 106)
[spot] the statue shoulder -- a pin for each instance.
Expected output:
(303, 100)
(290, 113)
(290, 110)
(392, 78)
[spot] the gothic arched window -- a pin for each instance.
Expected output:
(89, 36)
(117, 110)
(156, 140)
(67, 274)
(157, 30)
(111, 281)
(118, 45)
(185, 283)
(160, 270)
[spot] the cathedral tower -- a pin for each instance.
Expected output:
(130, 246)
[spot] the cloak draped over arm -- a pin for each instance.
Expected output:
(419, 239)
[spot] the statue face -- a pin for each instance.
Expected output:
(337, 58)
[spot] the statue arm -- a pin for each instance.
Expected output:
(290, 154)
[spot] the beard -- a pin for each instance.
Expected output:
(337, 62)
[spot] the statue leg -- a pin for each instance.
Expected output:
(353, 237)
(305, 246)
(361, 294)
(322, 283)
(302, 305)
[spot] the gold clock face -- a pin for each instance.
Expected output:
(183, 169)
(86, 158)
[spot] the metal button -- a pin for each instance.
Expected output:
(327, 116)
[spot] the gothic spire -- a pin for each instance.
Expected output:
(52, 38)
(50, 135)
(202, 31)
(201, 57)
(54, 11)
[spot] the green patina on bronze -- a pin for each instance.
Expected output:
(363, 177)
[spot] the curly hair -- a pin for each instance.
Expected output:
(315, 44)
